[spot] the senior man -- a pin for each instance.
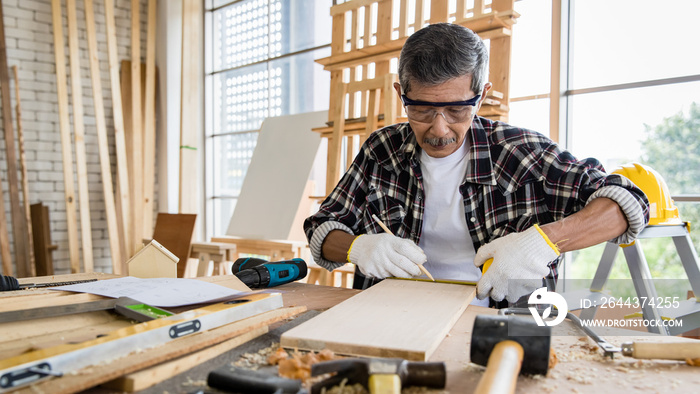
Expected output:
(457, 189)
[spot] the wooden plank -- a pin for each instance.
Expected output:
(103, 142)
(383, 24)
(19, 221)
(418, 21)
(352, 5)
(4, 236)
(395, 318)
(149, 121)
(79, 136)
(363, 56)
(555, 80)
(478, 7)
(123, 205)
(439, 11)
(23, 172)
(190, 126)
(136, 173)
(66, 145)
(174, 232)
(461, 9)
(276, 250)
(4, 239)
(42, 239)
(150, 376)
(21, 337)
(354, 34)
(336, 140)
(403, 21)
(104, 372)
(367, 35)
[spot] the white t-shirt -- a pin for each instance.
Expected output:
(445, 237)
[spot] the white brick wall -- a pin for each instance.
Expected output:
(29, 40)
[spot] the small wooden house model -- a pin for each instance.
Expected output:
(153, 261)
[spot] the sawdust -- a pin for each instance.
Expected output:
(553, 359)
(256, 360)
(194, 383)
(344, 388)
(298, 366)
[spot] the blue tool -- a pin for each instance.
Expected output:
(259, 273)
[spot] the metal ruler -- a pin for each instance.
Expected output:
(30, 367)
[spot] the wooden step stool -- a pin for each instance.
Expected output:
(217, 252)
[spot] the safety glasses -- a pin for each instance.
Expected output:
(425, 111)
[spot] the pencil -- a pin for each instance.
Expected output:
(388, 231)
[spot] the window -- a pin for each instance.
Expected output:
(260, 63)
(631, 95)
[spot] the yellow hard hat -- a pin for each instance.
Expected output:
(662, 210)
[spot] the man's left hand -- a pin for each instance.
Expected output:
(522, 257)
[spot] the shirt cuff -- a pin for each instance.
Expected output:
(317, 242)
(630, 207)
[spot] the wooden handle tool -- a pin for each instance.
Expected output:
(502, 369)
(388, 231)
(663, 351)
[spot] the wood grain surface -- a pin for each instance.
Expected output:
(394, 318)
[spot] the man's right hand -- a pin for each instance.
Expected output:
(383, 255)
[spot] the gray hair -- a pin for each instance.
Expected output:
(439, 52)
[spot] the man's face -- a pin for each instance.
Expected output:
(441, 129)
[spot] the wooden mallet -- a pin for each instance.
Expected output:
(508, 346)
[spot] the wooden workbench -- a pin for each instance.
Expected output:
(581, 367)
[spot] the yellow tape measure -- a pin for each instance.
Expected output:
(487, 264)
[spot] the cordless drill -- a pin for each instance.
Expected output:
(259, 273)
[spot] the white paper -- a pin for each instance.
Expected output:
(162, 292)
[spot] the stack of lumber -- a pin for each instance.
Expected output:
(135, 371)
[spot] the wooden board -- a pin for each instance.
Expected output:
(41, 232)
(190, 96)
(94, 375)
(103, 142)
(64, 127)
(149, 121)
(136, 147)
(148, 377)
(260, 213)
(174, 232)
(19, 221)
(123, 207)
(395, 318)
(79, 137)
(23, 172)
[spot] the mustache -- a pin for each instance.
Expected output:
(439, 141)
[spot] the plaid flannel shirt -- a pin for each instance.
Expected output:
(515, 178)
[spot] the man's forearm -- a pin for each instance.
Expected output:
(335, 246)
(599, 221)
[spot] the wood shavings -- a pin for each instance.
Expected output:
(194, 383)
(299, 365)
(553, 360)
(693, 362)
(255, 360)
(279, 354)
(294, 368)
(580, 377)
(622, 369)
(342, 388)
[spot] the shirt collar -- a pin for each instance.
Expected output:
(480, 168)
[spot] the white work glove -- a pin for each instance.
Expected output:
(383, 255)
(519, 258)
